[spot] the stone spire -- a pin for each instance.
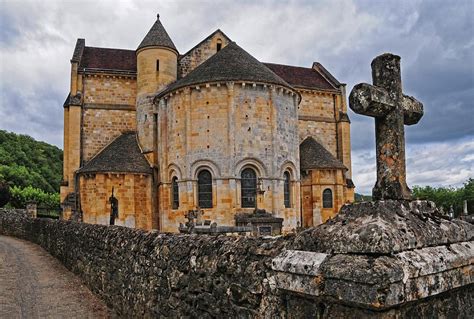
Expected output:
(157, 36)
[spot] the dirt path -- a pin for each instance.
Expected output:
(33, 284)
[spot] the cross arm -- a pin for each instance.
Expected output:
(412, 110)
(369, 100)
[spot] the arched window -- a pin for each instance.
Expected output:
(175, 189)
(286, 190)
(327, 198)
(248, 187)
(205, 189)
(219, 45)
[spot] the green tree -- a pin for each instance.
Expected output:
(26, 162)
(447, 196)
(4, 193)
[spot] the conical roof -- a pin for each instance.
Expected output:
(157, 36)
(232, 63)
(314, 155)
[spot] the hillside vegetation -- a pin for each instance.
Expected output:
(26, 162)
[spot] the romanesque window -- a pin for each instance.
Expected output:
(175, 189)
(327, 198)
(286, 190)
(157, 65)
(219, 45)
(205, 189)
(248, 187)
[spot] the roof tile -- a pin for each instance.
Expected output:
(122, 156)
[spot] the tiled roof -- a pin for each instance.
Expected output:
(126, 60)
(314, 155)
(109, 59)
(301, 77)
(232, 63)
(122, 156)
(157, 36)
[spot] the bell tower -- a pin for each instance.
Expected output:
(157, 60)
(157, 66)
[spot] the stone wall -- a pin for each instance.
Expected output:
(147, 274)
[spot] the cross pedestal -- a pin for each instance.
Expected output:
(385, 101)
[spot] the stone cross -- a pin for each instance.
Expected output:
(385, 101)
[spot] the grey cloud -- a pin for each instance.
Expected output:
(434, 38)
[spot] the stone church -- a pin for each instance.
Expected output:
(212, 129)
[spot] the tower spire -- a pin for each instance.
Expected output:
(157, 36)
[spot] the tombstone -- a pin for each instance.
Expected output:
(393, 257)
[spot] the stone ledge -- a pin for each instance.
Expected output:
(384, 227)
(376, 282)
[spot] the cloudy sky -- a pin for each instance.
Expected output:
(434, 38)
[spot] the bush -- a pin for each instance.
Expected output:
(4, 194)
(21, 196)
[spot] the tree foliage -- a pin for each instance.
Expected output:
(4, 193)
(26, 162)
(448, 196)
(21, 196)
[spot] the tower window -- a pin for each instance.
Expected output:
(286, 190)
(157, 65)
(327, 198)
(248, 187)
(175, 189)
(219, 46)
(205, 189)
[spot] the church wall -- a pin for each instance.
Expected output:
(199, 54)
(312, 186)
(317, 119)
(110, 90)
(102, 126)
(226, 128)
(133, 193)
(323, 132)
(144, 119)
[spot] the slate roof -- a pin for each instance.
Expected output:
(232, 63)
(301, 77)
(122, 156)
(314, 155)
(109, 59)
(126, 60)
(157, 36)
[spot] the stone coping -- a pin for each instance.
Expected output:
(376, 282)
(384, 227)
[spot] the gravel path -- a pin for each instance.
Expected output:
(33, 284)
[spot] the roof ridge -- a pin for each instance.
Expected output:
(292, 66)
(104, 48)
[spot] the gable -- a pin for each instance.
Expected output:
(201, 52)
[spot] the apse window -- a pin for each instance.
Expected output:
(327, 198)
(157, 65)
